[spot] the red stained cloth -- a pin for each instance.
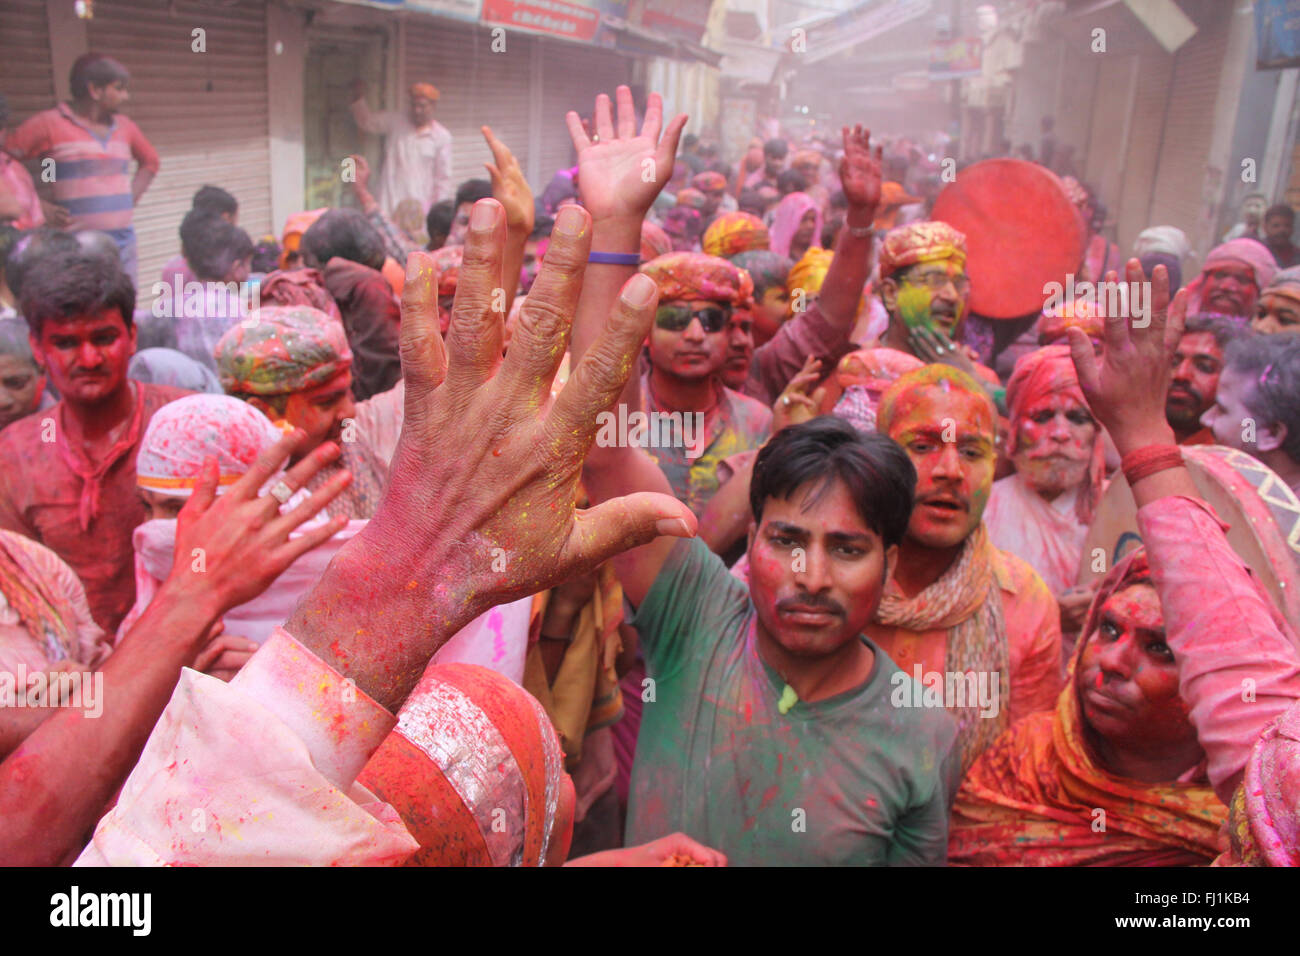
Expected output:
(85, 512)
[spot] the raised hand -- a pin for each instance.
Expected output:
(230, 548)
(860, 170)
(620, 175)
(795, 405)
(479, 509)
(509, 187)
(1126, 386)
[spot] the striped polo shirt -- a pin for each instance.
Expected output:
(92, 175)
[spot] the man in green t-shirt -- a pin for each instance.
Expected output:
(773, 729)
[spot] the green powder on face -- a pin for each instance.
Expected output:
(914, 305)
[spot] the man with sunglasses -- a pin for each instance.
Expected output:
(688, 349)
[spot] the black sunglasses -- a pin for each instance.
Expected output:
(676, 318)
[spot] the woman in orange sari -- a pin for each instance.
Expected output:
(1115, 775)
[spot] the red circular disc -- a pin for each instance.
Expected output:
(1022, 232)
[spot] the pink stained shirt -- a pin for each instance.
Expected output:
(1238, 667)
(92, 175)
(15, 179)
(268, 763)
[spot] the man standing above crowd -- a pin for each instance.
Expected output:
(418, 161)
(92, 145)
(69, 475)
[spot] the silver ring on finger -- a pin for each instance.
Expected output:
(281, 492)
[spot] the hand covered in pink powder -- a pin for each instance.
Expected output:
(480, 506)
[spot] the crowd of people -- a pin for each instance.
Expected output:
(675, 519)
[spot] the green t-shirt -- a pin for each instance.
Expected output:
(850, 780)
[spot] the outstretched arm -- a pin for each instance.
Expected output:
(823, 331)
(1238, 668)
(58, 782)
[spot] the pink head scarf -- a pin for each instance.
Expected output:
(1243, 251)
(785, 223)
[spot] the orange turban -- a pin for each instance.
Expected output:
(695, 277)
(810, 271)
(733, 233)
(1080, 314)
(294, 227)
(426, 90)
(690, 197)
(474, 769)
(709, 181)
(920, 242)
(892, 197)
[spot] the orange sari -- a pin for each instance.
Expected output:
(1036, 797)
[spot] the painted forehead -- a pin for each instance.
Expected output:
(920, 399)
(1137, 605)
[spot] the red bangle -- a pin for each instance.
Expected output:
(1145, 462)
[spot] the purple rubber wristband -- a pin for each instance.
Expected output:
(615, 258)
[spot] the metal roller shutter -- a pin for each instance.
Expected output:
(1155, 70)
(25, 52)
(478, 87)
(205, 113)
(1179, 193)
(572, 75)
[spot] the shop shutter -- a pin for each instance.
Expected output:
(1179, 192)
(572, 76)
(478, 87)
(205, 113)
(1155, 70)
(28, 81)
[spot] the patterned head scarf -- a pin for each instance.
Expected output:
(920, 242)
(695, 277)
(184, 433)
(785, 221)
(448, 260)
(765, 267)
(654, 241)
(709, 181)
(1079, 314)
(876, 368)
(426, 90)
(733, 233)
(691, 198)
(1286, 283)
(299, 287)
(474, 769)
(289, 349)
(810, 271)
(1041, 373)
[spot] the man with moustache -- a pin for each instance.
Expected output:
(956, 604)
(923, 286)
(1231, 279)
(1198, 362)
(69, 477)
(294, 365)
(771, 735)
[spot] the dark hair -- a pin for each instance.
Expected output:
(31, 246)
(71, 282)
(776, 148)
(1272, 363)
(212, 245)
(438, 221)
(215, 200)
(1172, 265)
(1280, 209)
(876, 470)
(689, 140)
(266, 255)
(542, 227)
(4, 111)
(13, 340)
(344, 233)
(9, 237)
(1224, 330)
(95, 69)
(472, 190)
(791, 181)
(751, 202)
